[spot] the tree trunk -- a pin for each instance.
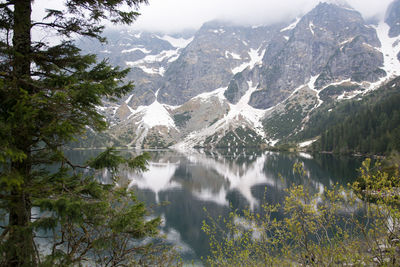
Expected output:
(20, 247)
(22, 39)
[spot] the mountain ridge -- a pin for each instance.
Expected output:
(227, 84)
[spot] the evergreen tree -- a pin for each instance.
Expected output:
(48, 96)
(370, 125)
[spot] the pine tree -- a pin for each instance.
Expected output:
(48, 96)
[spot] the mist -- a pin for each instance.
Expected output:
(177, 15)
(174, 16)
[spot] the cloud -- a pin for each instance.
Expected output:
(178, 15)
(371, 8)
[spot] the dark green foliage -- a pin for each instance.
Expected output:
(240, 137)
(182, 118)
(109, 159)
(335, 90)
(232, 91)
(91, 139)
(214, 121)
(48, 96)
(284, 124)
(154, 140)
(323, 78)
(211, 140)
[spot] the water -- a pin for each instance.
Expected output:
(222, 181)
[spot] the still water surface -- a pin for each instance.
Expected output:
(221, 181)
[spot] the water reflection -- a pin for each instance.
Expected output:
(158, 178)
(220, 181)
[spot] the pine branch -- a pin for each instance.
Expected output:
(9, 3)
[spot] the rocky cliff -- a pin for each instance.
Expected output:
(234, 86)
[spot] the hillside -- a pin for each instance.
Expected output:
(367, 125)
(243, 86)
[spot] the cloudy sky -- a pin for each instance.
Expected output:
(171, 16)
(177, 15)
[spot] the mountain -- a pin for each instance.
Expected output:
(393, 18)
(217, 51)
(235, 86)
(374, 126)
(329, 44)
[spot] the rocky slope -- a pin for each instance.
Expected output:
(234, 86)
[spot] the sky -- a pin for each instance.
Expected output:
(176, 15)
(172, 16)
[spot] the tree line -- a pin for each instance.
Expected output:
(367, 126)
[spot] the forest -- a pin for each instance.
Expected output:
(367, 126)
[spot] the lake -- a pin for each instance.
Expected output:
(220, 181)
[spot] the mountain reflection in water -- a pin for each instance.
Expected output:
(221, 181)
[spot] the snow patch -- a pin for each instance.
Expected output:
(157, 115)
(218, 93)
(306, 143)
(350, 95)
(291, 26)
(153, 58)
(170, 55)
(340, 83)
(131, 110)
(311, 85)
(311, 26)
(144, 50)
(173, 58)
(176, 42)
(219, 31)
(240, 112)
(273, 142)
(347, 41)
(152, 71)
(390, 47)
(128, 99)
(256, 57)
(342, 44)
(232, 55)
(154, 115)
(101, 108)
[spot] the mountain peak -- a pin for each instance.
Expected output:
(340, 3)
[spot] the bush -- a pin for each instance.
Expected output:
(340, 226)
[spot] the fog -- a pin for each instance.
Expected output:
(170, 16)
(177, 15)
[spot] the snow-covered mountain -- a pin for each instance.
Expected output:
(232, 86)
